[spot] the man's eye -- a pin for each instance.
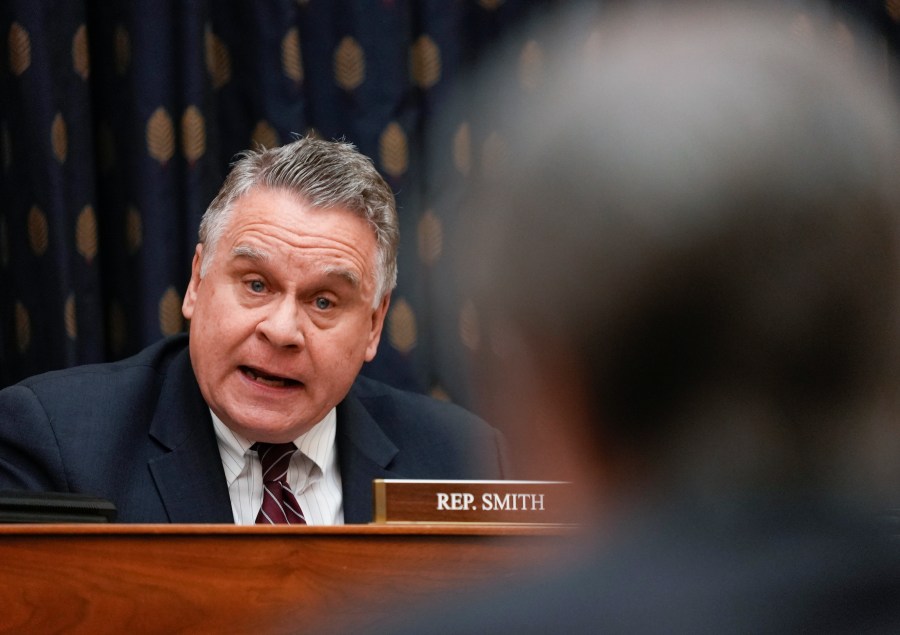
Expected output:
(256, 286)
(323, 303)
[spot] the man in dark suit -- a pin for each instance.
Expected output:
(690, 272)
(290, 285)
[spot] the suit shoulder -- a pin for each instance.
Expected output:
(380, 397)
(431, 438)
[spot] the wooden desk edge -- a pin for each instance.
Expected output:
(417, 529)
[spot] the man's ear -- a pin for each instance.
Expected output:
(190, 295)
(378, 315)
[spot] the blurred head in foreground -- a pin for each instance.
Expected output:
(689, 271)
(688, 277)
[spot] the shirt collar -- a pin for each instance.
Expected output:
(317, 444)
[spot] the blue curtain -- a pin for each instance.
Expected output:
(119, 118)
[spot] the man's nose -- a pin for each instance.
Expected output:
(282, 325)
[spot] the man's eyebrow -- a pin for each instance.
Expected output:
(248, 251)
(257, 254)
(350, 276)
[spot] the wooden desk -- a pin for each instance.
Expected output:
(227, 579)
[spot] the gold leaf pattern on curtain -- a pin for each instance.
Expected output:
(393, 150)
(86, 233)
(291, 55)
(531, 65)
(893, 9)
(437, 392)
(23, 327)
(462, 149)
(134, 230)
(246, 75)
(59, 138)
(401, 326)
(38, 230)
(431, 238)
(121, 49)
(193, 134)
(425, 62)
(494, 154)
(218, 59)
(160, 136)
(81, 57)
(845, 38)
(349, 64)
(469, 333)
(69, 317)
(170, 319)
(264, 135)
(19, 49)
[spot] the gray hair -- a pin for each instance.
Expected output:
(326, 174)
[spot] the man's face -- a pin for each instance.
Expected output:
(283, 320)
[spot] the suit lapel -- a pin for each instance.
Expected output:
(189, 476)
(364, 453)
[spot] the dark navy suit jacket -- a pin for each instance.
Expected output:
(138, 432)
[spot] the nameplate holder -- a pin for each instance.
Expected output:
(455, 502)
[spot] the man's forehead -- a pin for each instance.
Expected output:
(321, 267)
(265, 200)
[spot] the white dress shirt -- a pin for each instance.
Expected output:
(313, 474)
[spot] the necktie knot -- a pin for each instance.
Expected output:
(275, 459)
(279, 506)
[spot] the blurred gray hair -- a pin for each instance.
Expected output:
(704, 206)
(325, 174)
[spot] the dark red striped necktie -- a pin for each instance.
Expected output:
(279, 506)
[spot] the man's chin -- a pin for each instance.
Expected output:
(270, 427)
(271, 433)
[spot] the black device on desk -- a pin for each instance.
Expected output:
(54, 507)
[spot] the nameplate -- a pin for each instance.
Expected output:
(427, 501)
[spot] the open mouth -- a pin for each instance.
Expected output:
(268, 380)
